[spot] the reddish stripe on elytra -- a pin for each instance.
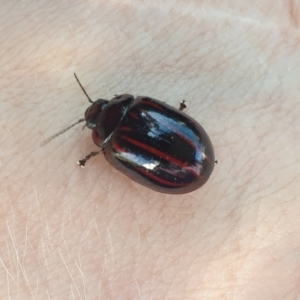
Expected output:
(155, 151)
(152, 103)
(159, 179)
(137, 116)
(167, 124)
(161, 155)
(179, 133)
(133, 115)
(120, 149)
(126, 128)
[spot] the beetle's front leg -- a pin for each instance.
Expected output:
(82, 162)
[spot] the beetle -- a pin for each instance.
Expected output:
(149, 141)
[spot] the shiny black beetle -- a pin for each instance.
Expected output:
(151, 142)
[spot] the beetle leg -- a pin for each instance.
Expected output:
(182, 105)
(82, 162)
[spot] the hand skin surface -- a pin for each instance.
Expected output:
(71, 233)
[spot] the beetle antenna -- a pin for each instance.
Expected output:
(46, 141)
(90, 100)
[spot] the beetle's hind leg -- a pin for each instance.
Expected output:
(182, 105)
(82, 162)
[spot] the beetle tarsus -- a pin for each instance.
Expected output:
(182, 105)
(82, 162)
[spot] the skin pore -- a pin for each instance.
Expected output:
(71, 233)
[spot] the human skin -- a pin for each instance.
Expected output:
(71, 233)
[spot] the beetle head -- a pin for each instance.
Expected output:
(93, 112)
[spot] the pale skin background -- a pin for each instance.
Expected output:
(68, 233)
